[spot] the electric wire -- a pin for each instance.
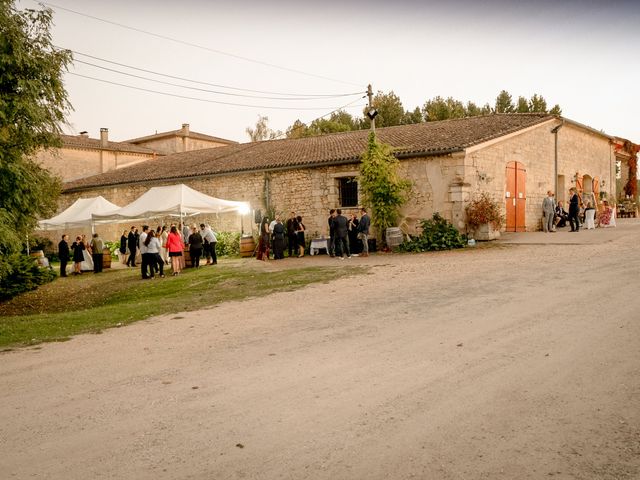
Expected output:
(207, 90)
(207, 83)
(193, 98)
(201, 47)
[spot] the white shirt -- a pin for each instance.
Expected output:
(271, 225)
(141, 245)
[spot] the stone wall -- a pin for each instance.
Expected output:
(177, 144)
(579, 150)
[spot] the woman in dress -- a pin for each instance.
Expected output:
(278, 240)
(606, 216)
(175, 247)
(263, 243)
(78, 255)
(164, 254)
(87, 262)
(195, 247)
(300, 233)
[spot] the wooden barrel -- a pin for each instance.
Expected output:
(247, 246)
(106, 258)
(187, 257)
(393, 237)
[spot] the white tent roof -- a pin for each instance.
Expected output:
(171, 201)
(78, 215)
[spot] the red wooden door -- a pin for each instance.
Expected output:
(516, 197)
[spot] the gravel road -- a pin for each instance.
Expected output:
(512, 362)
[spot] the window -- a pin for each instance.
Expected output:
(348, 192)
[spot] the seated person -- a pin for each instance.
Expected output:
(589, 216)
(605, 217)
(562, 216)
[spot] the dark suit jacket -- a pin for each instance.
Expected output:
(132, 241)
(63, 251)
(573, 204)
(340, 226)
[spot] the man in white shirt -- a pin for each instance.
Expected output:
(145, 264)
(210, 240)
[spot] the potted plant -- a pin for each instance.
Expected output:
(484, 217)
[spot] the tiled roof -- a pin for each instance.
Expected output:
(181, 133)
(80, 141)
(424, 139)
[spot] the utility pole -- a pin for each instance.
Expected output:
(371, 112)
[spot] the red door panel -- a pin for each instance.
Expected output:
(516, 197)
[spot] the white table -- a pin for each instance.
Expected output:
(318, 244)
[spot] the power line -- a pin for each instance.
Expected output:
(206, 90)
(193, 98)
(201, 47)
(208, 83)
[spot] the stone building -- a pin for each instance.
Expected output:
(81, 156)
(516, 158)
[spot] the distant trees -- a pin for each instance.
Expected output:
(262, 131)
(392, 112)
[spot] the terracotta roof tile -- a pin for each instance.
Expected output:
(424, 139)
(80, 141)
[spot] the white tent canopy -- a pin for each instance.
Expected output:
(171, 201)
(78, 215)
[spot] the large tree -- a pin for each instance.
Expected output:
(33, 105)
(262, 131)
(504, 103)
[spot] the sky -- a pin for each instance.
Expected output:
(290, 60)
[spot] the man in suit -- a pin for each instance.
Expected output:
(363, 231)
(332, 234)
(63, 254)
(574, 208)
(548, 211)
(292, 229)
(341, 233)
(132, 243)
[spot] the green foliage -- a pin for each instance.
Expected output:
(33, 104)
(228, 244)
(504, 103)
(436, 234)
(262, 131)
(383, 190)
(523, 105)
(114, 248)
(484, 210)
(440, 109)
(21, 273)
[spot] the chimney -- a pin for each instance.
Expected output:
(84, 134)
(185, 130)
(104, 137)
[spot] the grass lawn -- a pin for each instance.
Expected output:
(116, 297)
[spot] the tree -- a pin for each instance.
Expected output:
(523, 105)
(504, 103)
(382, 188)
(472, 110)
(390, 110)
(413, 117)
(556, 110)
(33, 105)
(537, 104)
(262, 130)
(440, 109)
(297, 130)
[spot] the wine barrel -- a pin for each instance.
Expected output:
(106, 258)
(187, 257)
(247, 246)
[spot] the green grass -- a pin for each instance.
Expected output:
(90, 303)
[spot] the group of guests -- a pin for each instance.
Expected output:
(273, 234)
(554, 214)
(347, 236)
(163, 246)
(83, 252)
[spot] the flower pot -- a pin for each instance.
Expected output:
(486, 232)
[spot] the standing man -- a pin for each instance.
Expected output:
(363, 231)
(292, 229)
(341, 231)
(332, 234)
(548, 211)
(210, 239)
(574, 208)
(133, 245)
(96, 253)
(145, 264)
(63, 254)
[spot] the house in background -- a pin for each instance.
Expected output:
(81, 156)
(516, 158)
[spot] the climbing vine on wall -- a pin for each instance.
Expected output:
(631, 188)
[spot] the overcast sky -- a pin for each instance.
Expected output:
(581, 54)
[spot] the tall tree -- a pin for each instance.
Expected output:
(33, 105)
(537, 104)
(262, 130)
(413, 117)
(390, 110)
(556, 110)
(504, 103)
(440, 109)
(297, 130)
(523, 105)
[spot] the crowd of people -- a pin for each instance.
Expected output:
(347, 236)
(86, 255)
(579, 214)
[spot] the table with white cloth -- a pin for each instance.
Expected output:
(318, 244)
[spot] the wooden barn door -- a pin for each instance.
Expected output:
(516, 197)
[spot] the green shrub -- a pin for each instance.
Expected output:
(20, 273)
(114, 248)
(437, 234)
(228, 244)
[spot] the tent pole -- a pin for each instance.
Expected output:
(27, 244)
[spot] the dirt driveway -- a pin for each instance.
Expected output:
(514, 362)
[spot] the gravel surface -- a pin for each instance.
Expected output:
(516, 361)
